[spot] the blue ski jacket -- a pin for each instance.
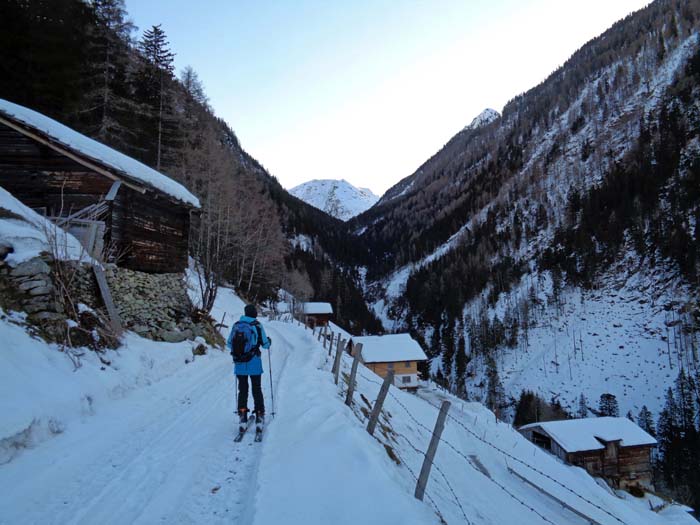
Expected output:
(254, 366)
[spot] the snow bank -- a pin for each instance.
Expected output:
(318, 464)
(96, 151)
(42, 393)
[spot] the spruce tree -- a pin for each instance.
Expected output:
(495, 394)
(669, 438)
(156, 72)
(461, 361)
(527, 409)
(107, 103)
(582, 411)
(607, 406)
(646, 421)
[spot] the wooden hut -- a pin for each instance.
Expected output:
(117, 206)
(317, 314)
(399, 353)
(613, 448)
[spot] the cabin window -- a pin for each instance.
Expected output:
(407, 364)
(406, 379)
(390, 366)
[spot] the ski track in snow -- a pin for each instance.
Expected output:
(161, 455)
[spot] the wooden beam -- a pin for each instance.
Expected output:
(111, 195)
(107, 298)
(63, 151)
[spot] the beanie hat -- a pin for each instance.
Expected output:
(250, 310)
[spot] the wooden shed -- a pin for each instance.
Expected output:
(399, 353)
(613, 448)
(117, 206)
(317, 314)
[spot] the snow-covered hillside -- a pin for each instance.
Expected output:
(338, 198)
(623, 323)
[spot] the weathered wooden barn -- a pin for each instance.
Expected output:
(117, 206)
(613, 448)
(399, 353)
(317, 314)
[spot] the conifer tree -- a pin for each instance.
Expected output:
(582, 411)
(607, 406)
(669, 437)
(107, 103)
(495, 394)
(157, 72)
(645, 421)
(461, 361)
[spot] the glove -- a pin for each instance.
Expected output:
(269, 340)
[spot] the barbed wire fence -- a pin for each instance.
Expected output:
(327, 339)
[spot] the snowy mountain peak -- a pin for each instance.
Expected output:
(485, 117)
(338, 198)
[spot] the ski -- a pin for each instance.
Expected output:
(242, 430)
(259, 427)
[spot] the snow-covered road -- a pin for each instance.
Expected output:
(162, 454)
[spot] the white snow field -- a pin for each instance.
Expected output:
(149, 439)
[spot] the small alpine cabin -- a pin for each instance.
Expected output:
(399, 353)
(116, 206)
(317, 314)
(613, 448)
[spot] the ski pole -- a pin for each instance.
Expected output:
(272, 393)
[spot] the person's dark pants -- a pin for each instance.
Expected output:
(257, 393)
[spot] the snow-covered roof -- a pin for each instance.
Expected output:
(318, 308)
(390, 348)
(577, 435)
(29, 234)
(113, 161)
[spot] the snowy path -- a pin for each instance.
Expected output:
(163, 454)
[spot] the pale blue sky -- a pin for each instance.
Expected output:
(367, 90)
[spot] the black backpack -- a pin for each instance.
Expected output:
(245, 341)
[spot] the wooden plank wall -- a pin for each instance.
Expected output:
(152, 232)
(400, 368)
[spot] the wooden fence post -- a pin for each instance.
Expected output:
(336, 361)
(330, 346)
(353, 373)
(432, 448)
(325, 339)
(377, 408)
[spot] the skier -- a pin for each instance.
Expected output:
(245, 340)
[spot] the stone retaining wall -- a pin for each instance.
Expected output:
(155, 306)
